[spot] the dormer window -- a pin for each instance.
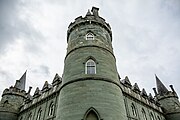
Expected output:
(90, 36)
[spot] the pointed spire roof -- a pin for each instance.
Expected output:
(160, 87)
(56, 79)
(88, 13)
(20, 84)
(46, 86)
(143, 93)
(126, 82)
(150, 97)
(135, 87)
(37, 92)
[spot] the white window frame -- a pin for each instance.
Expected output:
(90, 67)
(89, 36)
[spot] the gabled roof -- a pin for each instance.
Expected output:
(135, 87)
(126, 82)
(143, 93)
(37, 92)
(57, 79)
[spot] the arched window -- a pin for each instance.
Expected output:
(151, 116)
(39, 114)
(90, 67)
(51, 109)
(133, 110)
(89, 36)
(91, 114)
(144, 114)
(158, 118)
(30, 116)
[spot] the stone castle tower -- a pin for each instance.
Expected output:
(90, 79)
(90, 87)
(12, 100)
(168, 100)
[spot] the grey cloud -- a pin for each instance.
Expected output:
(12, 27)
(42, 69)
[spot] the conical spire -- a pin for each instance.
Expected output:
(160, 87)
(20, 84)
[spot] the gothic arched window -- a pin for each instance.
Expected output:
(30, 116)
(51, 109)
(151, 116)
(39, 114)
(134, 113)
(91, 114)
(90, 67)
(90, 36)
(144, 114)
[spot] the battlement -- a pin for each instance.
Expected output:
(90, 18)
(48, 90)
(134, 92)
(14, 91)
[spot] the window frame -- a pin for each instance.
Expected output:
(133, 108)
(152, 116)
(39, 114)
(144, 114)
(30, 116)
(90, 68)
(89, 36)
(51, 109)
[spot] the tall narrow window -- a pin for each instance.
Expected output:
(133, 110)
(30, 116)
(89, 36)
(144, 114)
(39, 114)
(51, 109)
(90, 67)
(151, 116)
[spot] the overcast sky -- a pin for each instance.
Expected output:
(146, 39)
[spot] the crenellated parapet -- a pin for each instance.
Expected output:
(134, 92)
(15, 91)
(41, 96)
(90, 18)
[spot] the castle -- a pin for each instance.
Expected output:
(90, 87)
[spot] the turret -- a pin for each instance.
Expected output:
(12, 99)
(168, 100)
(90, 78)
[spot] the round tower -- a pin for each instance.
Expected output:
(90, 85)
(168, 101)
(12, 100)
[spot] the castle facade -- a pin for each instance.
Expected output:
(90, 87)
